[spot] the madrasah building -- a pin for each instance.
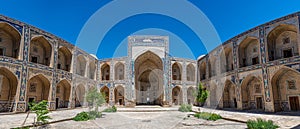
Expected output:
(255, 70)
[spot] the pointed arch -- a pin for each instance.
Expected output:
(10, 39)
(119, 93)
(38, 88)
(190, 95)
(105, 91)
(249, 45)
(285, 89)
(190, 72)
(8, 89)
(226, 58)
(63, 93)
(229, 95)
(177, 98)
(214, 100)
(212, 66)
(119, 71)
(252, 93)
(64, 59)
(282, 42)
(92, 69)
(105, 72)
(40, 51)
(176, 71)
(203, 70)
(81, 65)
(80, 95)
(148, 69)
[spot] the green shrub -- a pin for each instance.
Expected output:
(94, 114)
(261, 124)
(82, 116)
(41, 111)
(110, 109)
(208, 116)
(185, 108)
(114, 108)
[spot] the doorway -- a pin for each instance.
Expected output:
(259, 103)
(294, 103)
(30, 100)
(57, 103)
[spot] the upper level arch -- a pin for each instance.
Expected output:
(176, 71)
(105, 72)
(119, 71)
(282, 42)
(249, 52)
(81, 65)
(64, 59)
(10, 40)
(92, 70)
(40, 51)
(190, 72)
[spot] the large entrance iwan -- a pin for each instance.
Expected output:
(149, 79)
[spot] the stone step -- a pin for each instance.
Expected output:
(147, 109)
(148, 106)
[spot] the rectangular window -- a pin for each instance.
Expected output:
(257, 88)
(291, 84)
(174, 77)
(58, 66)
(32, 87)
(271, 56)
(255, 49)
(244, 62)
(287, 53)
(286, 40)
(67, 67)
(0, 39)
(34, 59)
(1, 51)
(46, 60)
(255, 61)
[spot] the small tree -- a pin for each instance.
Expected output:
(202, 94)
(95, 99)
(41, 111)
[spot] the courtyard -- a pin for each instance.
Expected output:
(152, 118)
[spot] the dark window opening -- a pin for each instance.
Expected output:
(34, 59)
(0, 39)
(243, 62)
(1, 52)
(271, 57)
(286, 40)
(287, 53)
(174, 77)
(67, 67)
(255, 61)
(58, 66)
(203, 77)
(46, 60)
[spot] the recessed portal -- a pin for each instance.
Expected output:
(149, 79)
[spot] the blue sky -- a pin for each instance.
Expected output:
(67, 18)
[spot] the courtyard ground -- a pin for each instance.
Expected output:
(148, 120)
(162, 118)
